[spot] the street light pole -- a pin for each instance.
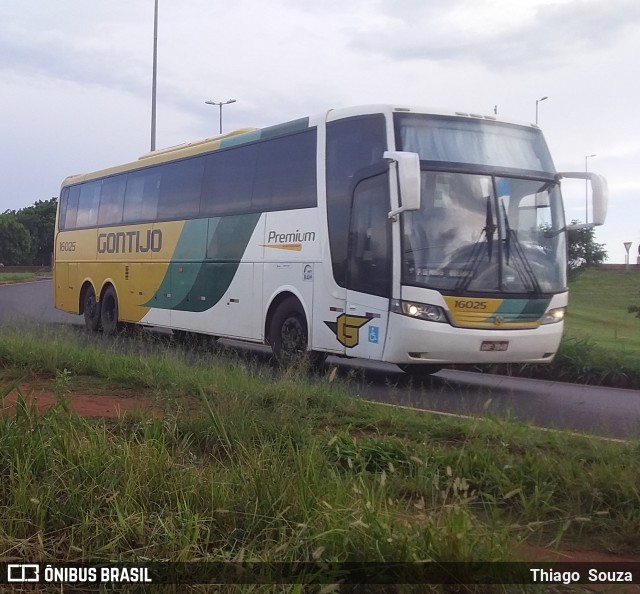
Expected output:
(539, 101)
(154, 78)
(220, 104)
(586, 188)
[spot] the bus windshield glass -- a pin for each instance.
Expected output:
(488, 234)
(491, 218)
(473, 142)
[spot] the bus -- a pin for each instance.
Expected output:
(417, 237)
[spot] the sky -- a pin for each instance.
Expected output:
(75, 79)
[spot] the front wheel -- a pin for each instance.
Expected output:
(109, 311)
(289, 334)
(91, 309)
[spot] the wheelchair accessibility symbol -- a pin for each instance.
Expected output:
(374, 334)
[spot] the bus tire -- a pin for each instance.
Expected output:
(91, 309)
(289, 334)
(109, 311)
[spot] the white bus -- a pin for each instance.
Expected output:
(395, 234)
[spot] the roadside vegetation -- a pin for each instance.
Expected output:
(245, 462)
(16, 277)
(601, 345)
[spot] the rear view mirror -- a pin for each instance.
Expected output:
(408, 172)
(599, 195)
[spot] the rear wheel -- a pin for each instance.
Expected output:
(109, 311)
(91, 309)
(289, 334)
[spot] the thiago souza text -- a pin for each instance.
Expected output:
(591, 575)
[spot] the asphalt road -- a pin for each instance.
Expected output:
(608, 412)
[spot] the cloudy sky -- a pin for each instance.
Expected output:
(75, 78)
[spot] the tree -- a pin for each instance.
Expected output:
(39, 220)
(15, 242)
(583, 250)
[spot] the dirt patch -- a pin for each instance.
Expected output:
(86, 405)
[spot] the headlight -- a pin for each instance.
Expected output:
(421, 311)
(553, 316)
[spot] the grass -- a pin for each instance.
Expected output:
(13, 277)
(601, 344)
(598, 311)
(251, 463)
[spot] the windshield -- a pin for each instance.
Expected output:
(484, 233)
(473, 142)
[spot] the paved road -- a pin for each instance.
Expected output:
(603, 411)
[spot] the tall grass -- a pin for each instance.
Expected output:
(254, 464)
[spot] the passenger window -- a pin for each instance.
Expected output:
(141, 196)
(228, 181)
(88, 204)
(180, 189)
(62, 208)
(286, 173)
(112, 200)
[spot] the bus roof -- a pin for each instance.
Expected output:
(243, 135)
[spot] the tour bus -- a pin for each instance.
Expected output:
(391, 233)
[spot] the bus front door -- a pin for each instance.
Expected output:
(364, 325)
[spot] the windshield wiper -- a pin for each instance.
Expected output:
(489, 227)
(476, 253)
(519, 252)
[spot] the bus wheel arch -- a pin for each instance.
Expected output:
(90, 307)
(109, 309)
(287, 328)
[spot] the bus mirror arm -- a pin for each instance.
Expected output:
(407, 167)
(599, 196)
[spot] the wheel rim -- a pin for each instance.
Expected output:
(293, 337)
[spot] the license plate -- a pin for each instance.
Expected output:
(494, 345)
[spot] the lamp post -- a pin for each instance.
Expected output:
(627, 246)
(154, 78)
(539, 101)
(220, 104)
(586, 188)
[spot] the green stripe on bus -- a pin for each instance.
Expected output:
(521, 310)
(202, 270)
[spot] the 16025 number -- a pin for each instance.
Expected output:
(461, 304)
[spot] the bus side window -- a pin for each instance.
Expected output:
(141, 196)
(228, 181)
(180, 189)
(369, 269)
(64, 200)
(112, 200)
(72, 208)
(352, 144)
(286, 173)
(88, 204)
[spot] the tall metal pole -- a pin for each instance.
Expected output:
(538, 101)
(220, 104)
(155, 77)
